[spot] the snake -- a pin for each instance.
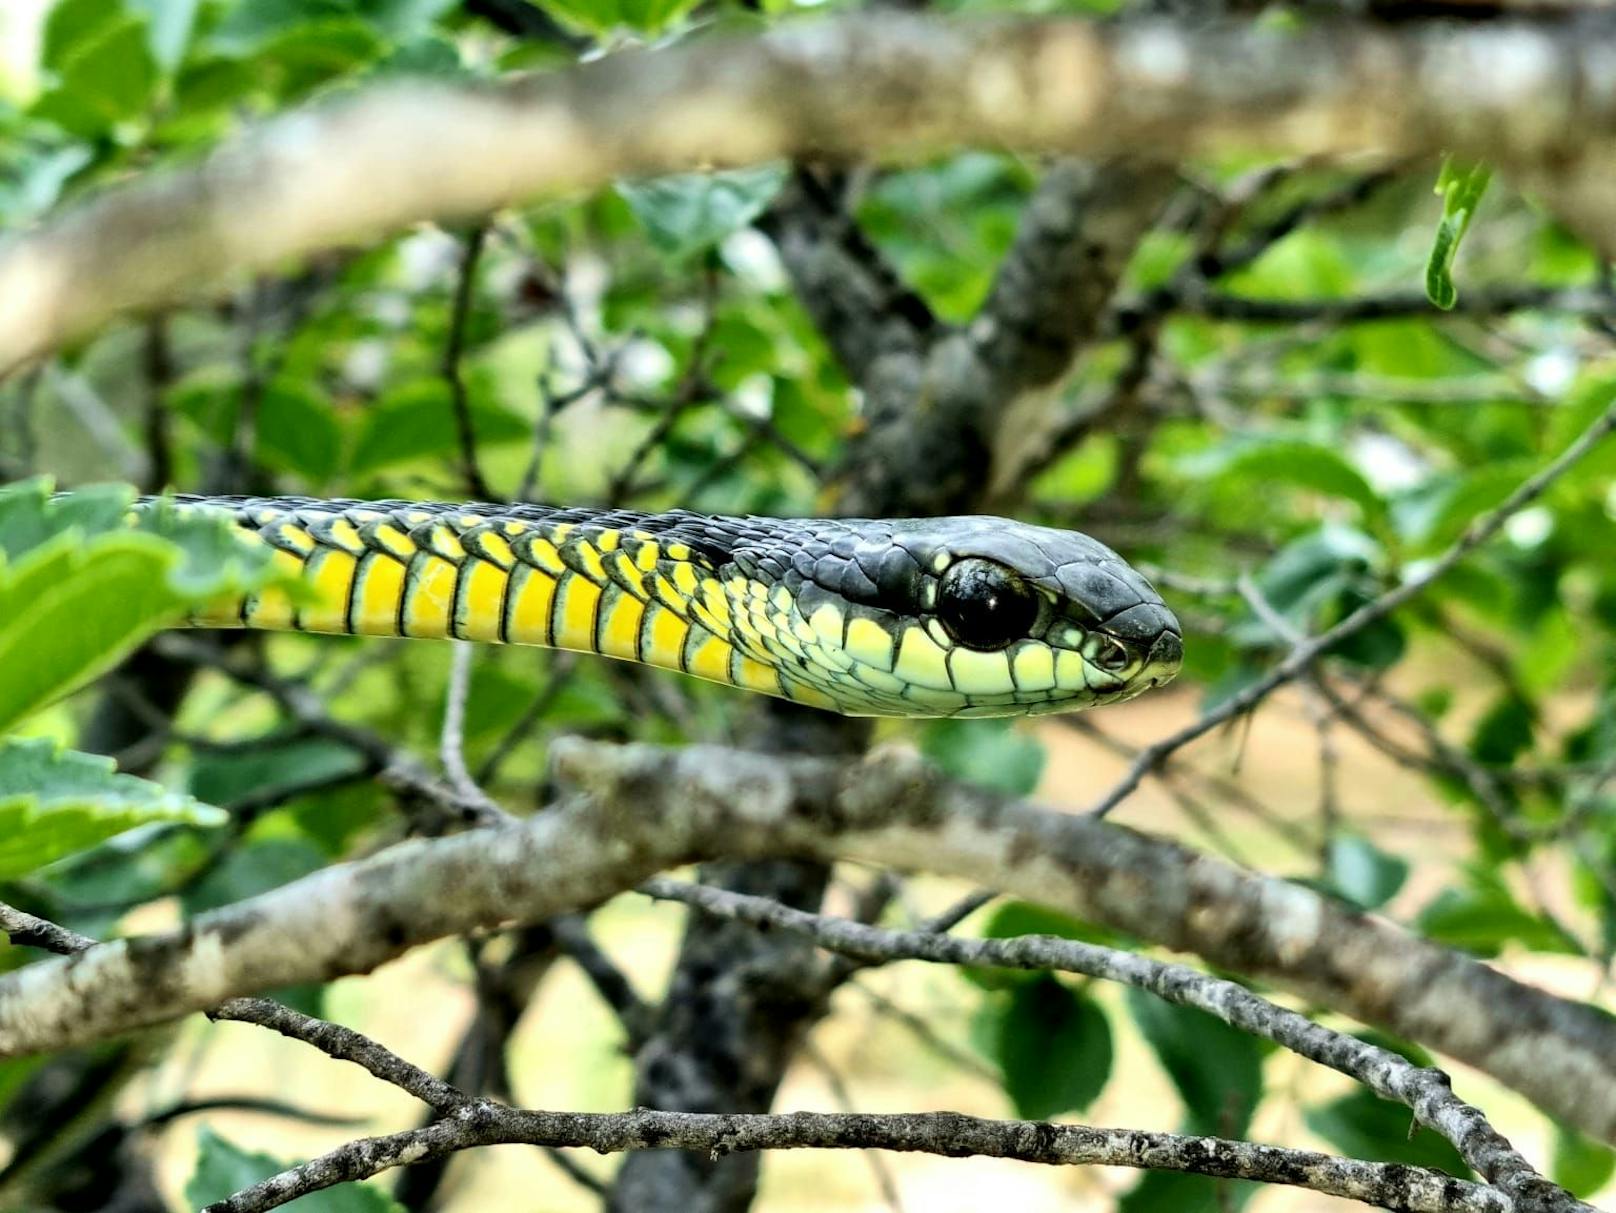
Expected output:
(934, 617)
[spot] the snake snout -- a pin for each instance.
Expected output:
(1166, 655)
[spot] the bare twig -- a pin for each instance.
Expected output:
(1390, 1076)
(452, 739)
(453, 374)
(1388, 1186)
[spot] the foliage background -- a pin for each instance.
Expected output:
(1275, 400)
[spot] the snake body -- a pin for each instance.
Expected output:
(966, 616)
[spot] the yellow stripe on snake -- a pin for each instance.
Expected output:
(967, 616)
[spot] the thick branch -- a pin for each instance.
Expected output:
(1528, 96)
(335, 1041)
(649, 809)
(1079, 230)
(857, 301)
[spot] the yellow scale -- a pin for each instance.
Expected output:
(439, 575)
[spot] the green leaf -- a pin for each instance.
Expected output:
(225, 776)
(74, 24)
(1450, 510)
(1306, 465)
(1085, 473)
(1580, 1165)
(55, 802)
(252, 25)
(305, 57)
(416, 421)
(1362, 873)
(652, 16)
(1052, 1045)
(427, 56)
(115, 590)
(1012, 918)
(297, 430)
(992, 753)
(1317, 566)
(75, 558)
(247, 871)
(1484, 916)
(36, 181)
(1363, 1125)
(124, 870)
(1504, 731)
(30, 516)
(1180, 1193)
(1218, 1073)
(1217, 1069)
(169, 25)
(1317, 579)
(105, 78)
(1460, 186)
(223, 1168)
(686, 213)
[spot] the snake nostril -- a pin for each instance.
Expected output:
(1167, 650)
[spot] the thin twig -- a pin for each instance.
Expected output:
(453, 353)
(452, 739)
(1426, 1091)
(1482, 528)
(1389, 1186)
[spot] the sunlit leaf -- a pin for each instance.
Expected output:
(993, 753)
(223, 1168)
(687, 213)
(56, 802)
(1051, 1043)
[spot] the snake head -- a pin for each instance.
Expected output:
(965, 616)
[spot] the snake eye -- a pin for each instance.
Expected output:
(984, 605)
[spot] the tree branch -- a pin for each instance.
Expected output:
(648, 809)
(1426, 1091)
(1388, 1186)
(335, 1041)
(1527, 96)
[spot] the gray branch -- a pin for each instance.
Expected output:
(1426, 1091)
(1529, 96)
(335, 1041)
(1388, 1186)
(648, 809)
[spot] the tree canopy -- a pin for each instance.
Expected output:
(1305, 311)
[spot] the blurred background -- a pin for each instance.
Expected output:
(1273, 411)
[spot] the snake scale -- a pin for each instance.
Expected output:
(964, 616)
